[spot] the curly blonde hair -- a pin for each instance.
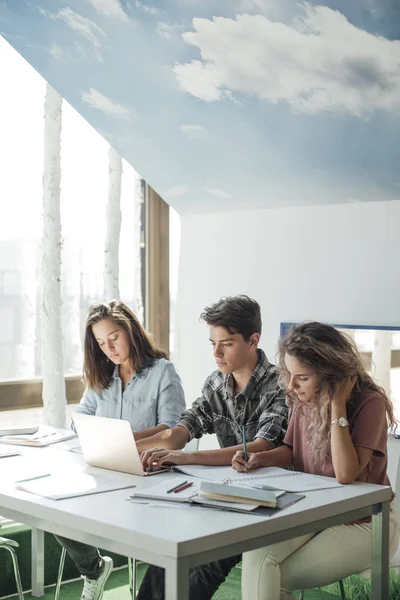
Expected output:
(334, 357)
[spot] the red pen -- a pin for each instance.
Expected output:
(183, 487)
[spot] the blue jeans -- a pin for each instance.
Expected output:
(203, 581)
(86, 558)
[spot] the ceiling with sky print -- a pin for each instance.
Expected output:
(226, 104)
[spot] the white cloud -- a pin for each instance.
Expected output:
(110, 8)
(273, 9)
(177, 190)
(84, 27)
(148, 8)
(167, 30)
(319, 62)
(193, 132)
(59, 53)
(218, 193)
(106, 105)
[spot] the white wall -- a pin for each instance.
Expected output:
(339, 264)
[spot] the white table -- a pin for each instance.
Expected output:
(177, 539)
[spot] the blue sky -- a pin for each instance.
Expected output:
(218, 103)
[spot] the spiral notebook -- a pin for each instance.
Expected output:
(273, 478)
(196, 494)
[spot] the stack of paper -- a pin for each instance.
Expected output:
(230, 493)
(43, 436)
(8, 451)
(18, 430)
(162, 491)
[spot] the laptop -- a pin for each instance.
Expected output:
(109, 444)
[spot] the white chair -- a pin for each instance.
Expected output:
(191, 446)
(9, 545)
(393, 472)
(131, 575)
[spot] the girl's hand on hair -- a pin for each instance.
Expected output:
(343, 392)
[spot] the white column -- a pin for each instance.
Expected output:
(139, 207)
(113, 216)
(54, 398)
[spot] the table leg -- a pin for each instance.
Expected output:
(380, 553)
(177, 580)
(37, 562)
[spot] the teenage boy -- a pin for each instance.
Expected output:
(243, 391)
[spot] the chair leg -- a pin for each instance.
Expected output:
(132, 565)
(130, 573)
(301, 597)
(342, 592)
(16, 571)
(60, 573)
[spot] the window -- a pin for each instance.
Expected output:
(84, 186)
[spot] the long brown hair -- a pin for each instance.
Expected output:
(97, 367)
(334, 357)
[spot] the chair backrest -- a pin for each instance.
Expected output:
(394, 468)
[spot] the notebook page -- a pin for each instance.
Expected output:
(293, 483)
(227, 473)
(160, 491)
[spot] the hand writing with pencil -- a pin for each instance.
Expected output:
(239, 463)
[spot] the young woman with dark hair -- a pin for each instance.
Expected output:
(128, 378)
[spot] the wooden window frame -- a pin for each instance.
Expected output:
(27, 393)
(156, 297)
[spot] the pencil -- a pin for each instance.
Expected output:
(176, 487)
(183, 487)
(244, 443)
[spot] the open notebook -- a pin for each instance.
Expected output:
(203, 493)
(273, 478)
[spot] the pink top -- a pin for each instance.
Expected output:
(366, 414)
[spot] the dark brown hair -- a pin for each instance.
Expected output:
(97, 367)
(237, 314)
(334, 357)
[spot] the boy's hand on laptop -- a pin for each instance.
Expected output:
(156, 457)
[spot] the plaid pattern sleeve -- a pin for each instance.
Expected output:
(260, 407)
(198, 419)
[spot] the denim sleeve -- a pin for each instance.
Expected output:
(171, 398)
(87, 405)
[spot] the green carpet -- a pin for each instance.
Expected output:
(117, 585)
(117, 588)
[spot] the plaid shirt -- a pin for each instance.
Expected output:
(260, 406)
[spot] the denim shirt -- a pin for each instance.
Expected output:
(154, 396)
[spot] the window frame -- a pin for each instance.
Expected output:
(27, 393)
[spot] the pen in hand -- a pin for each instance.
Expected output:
(244, 443)
(183, 487)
